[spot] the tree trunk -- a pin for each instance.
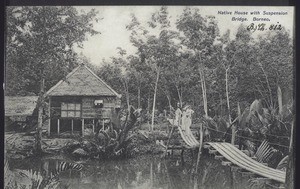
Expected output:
(228, 107)
(170, 105)
(227, 94)
(38, 138)
(125, 84)
(139, 96)
(203, 91)
(179, 96)
(154, 99)
(290, 173)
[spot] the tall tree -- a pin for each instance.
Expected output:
(199, 35)
(156, 51)
(45, 37)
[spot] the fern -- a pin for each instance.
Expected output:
(80, 152)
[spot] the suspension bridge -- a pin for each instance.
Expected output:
(230, 155)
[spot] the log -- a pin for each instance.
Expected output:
(212, 151)
(245, 173)
(219, 157)
(226, 163)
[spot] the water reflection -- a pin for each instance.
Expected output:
(144, 172)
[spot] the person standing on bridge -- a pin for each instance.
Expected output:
(178, 116)
(187, 118)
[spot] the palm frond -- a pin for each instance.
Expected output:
(257, 183)
(282, 165)
(264, 152)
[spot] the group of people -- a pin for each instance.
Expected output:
(183, 117)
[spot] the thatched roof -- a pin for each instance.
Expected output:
(20, 105)
(82, 82)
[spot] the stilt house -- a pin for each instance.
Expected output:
(81, 103)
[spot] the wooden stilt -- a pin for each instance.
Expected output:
(82, 127)
(169, 138)
(58, 127)
(181, 155)
(72, 126)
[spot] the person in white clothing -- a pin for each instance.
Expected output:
(187, 118)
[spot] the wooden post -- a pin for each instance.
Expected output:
(233, 134)
(49, 123)
(72, 126)
(46, 167)
(82, 127)
(102, 124)
(93, 126)
(58, 128)
(200, 147)
(169, 138)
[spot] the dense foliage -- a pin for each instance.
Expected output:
(188, 61)
(40, 45)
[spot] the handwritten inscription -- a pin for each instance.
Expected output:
(262, 27)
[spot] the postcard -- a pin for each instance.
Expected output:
(149, 97)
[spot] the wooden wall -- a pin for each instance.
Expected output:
(88, 109)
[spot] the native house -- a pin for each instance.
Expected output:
(81, 103)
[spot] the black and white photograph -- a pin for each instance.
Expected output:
(149, 97)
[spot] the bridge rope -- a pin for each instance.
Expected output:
(276, 144)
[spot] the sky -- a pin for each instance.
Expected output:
(113, 21)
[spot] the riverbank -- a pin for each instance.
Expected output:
(20, 145)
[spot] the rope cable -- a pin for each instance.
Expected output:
(246, 137)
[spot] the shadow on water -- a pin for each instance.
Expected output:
(141, 172)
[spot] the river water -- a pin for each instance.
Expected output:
(144, 172)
